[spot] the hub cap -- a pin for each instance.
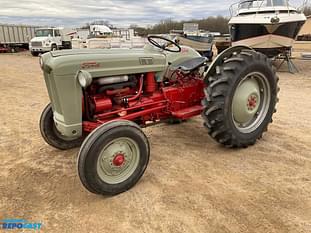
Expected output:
(251, 102)
(118, 160)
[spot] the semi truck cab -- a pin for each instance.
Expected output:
(49, 39)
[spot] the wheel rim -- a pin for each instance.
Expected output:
(118, 160)
(251, 102)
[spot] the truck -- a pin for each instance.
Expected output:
(50, 39)
(15, 37)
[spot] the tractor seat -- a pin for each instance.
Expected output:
(191, 64)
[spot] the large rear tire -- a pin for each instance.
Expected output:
(113, 158)
(240, 99)
(52, 136)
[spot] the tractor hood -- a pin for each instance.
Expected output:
(104, 62)
(61, 67)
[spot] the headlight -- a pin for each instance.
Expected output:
(84, 78)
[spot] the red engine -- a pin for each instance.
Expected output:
(141, 99)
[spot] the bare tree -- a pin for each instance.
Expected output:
(214, 24)
(307, 10)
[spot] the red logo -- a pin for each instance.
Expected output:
(184, 50)
(89, 65)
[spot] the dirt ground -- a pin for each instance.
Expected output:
(191, 185)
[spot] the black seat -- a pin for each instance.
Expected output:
(191, 64)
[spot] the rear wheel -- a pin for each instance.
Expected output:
(113, 158)
(240, 99)
(52, 136)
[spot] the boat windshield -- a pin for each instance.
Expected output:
(247, 4)
(256, 5)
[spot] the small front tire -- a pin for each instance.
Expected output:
(113, 158)
(52, 136)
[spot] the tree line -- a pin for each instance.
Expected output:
(213, 24)
(307, 11)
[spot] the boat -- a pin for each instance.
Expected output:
(200, 40)
(268, 26)
(202, 44)
(199, 43)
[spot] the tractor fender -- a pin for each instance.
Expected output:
(220, 59)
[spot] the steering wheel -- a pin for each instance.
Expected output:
(152, 41)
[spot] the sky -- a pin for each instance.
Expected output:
(121, 13)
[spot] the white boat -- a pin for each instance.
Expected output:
(199, 43)
(268, 26)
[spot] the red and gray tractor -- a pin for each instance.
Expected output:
(101, 99)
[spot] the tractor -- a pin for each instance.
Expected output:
(100, 99)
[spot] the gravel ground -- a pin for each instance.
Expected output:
(191, 185)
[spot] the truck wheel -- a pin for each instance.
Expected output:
(35, 54)
(113, 158)
(13, 50)
(240, 99)
(52, 136)
(54, 47)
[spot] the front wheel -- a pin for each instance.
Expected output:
(54, 47)
(52, 136)
(240, 99)
(113, 158)
(35, 54)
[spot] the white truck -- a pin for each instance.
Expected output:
(50, 39)
(14, 38)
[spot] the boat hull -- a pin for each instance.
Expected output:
(267, 38)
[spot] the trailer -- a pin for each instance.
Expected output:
(14, 38)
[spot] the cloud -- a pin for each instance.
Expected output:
(118, 12)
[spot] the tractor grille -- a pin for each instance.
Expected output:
(36, 43)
